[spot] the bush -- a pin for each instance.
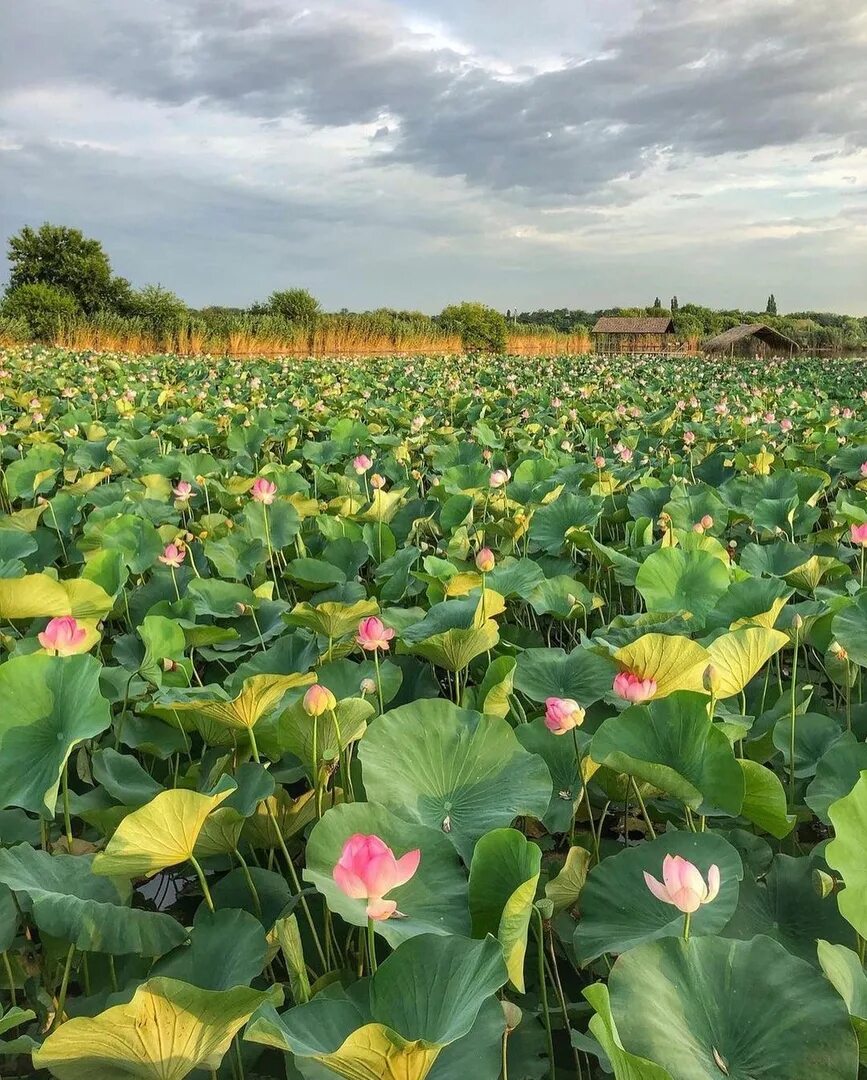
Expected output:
(42, 308)
(296, 305)
(482, 329)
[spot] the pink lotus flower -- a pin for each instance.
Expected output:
(688, 438)
(173, 555)
(485, 560)
(864, 469)
(63, 636)
(499, 478)
(263, 491)
(319, 700)
(367, 870)
(183, 489)
(682, 885)
(707, 522)
(373, 634)
(858, 534)
(377, 481)
(361, 464)
(633, 688)
(786, 424)
(599, 461)
(562, 714)
(626, 455)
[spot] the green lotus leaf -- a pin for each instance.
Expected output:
(461, 773)
(849, 627)
(551, 523)
(504, 875)
(298, 733)
(626, 1066)
(66, 900)
(785, 905)
(673, 745)
(455, 649)
(672, 579)
(226, 949)
(564, 890)
(332, 620)
(564, 598)
(123, 777)
(582, 675)
(708, 1008)
(847, 853)
(558, 753)
(48, 704)
(765, 800)
(837, 772)
(434, 900)
(815, 734)
(618, 911)
(426, 995)
(741, 654)
(160, 834)
(38, 595)
(168, 1029)
(845, 972)
(496, 687)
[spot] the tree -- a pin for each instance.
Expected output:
(674, 305)
(66, 259)
(482, 329)
(160, 307)
(656, 303)
(296, 305)
(42, 308)
(771, 308)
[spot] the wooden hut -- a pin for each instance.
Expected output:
(616, 336)
(751, 339)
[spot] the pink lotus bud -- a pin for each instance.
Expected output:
(688, 438)
(707, 522)
(63, 636)
(499, 478)
(377, 481)
(361, 464)
(485, 560)
(698, 527)
(599, 461)
(368, 686)
(263, 491)
(373, 634)
(319, 700)
(367, 870)
(633, 688)
(682, 885)
(625, 455)
(858, 534)
(864, 469)
(173, 555)
(562, 714)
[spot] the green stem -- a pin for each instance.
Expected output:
(8, 968)
(371, 946)
(543, 990)
(378, 680)
(792, 733)
(644, 813)
(296, 883)
(251, 885)
(686, 921)
(67, 822)
(200, 874)
(64, 987)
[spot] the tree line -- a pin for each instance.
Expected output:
(58, 276)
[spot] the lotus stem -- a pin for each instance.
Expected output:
(296, 883)
(686, 921)
(543, 990)
(200, 874)
(371, 946)
(64, 987)
(67, 822)
(8, 968)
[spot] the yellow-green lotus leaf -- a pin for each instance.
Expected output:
(259, 695)
(168, 1029)
(40, 596)
(332, 620)
(375, 1052)
(675, 663)
(384, 504)
(160, 834)
(454, 649)
(740, 655)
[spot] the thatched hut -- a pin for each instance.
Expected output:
(751, 339)
(618, 336)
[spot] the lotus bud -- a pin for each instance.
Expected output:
(368, 686)
(242, 609)
(710, 679)
(169, 665)
(707, 521)
(512, 1015)
(824, 884)
(485, 560)
(319, 700)
(797, 622)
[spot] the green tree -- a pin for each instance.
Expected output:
(296, 305)
(42, 308)
(482, 329)
(771, 308)
(160, 307)
(66, 259)
(657, 303)
(674, 305)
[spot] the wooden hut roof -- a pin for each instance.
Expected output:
(631, 325)
(767, 334)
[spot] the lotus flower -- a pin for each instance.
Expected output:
(864, 469)
(682, 885)
(499, 478)
(173, 555)
(263, 490)
(373, 634)
(858, 534)
(63, 636)
(633, 688)
(183, 489)
(367, 870)
(562, 714)
(361, 464)
(786, 424)
(319, 700)
(377, 481)
(485, 560)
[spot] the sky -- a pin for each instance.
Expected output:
(413, 153)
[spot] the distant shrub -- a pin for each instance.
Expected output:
(42, 308)
(482, 329)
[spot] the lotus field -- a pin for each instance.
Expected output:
(449, 718)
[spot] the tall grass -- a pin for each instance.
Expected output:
(368, 334)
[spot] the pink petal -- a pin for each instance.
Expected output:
(406, 867)
(686, 900)
(713, 883)
(380, 909)
(349, 883)
(657, 888)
